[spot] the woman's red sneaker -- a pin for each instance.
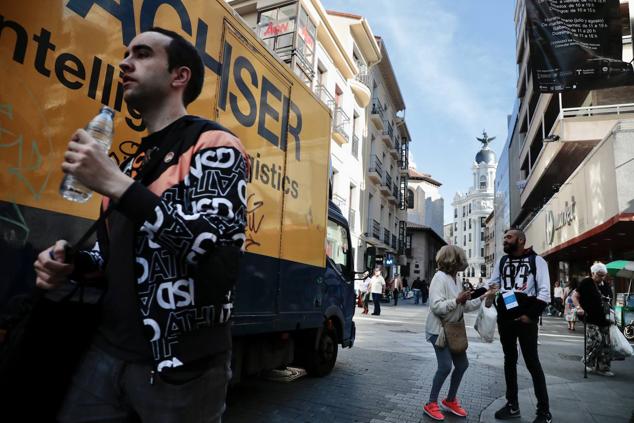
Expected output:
(454, 407)
(433, 411)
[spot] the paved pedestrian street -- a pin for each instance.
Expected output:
(387, 375)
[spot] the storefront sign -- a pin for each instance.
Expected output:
(554, 222)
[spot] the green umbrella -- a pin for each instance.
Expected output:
(621, 269)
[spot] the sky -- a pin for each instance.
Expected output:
(455, 65)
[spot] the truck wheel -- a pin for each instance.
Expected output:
(628, 331)
(321, 361)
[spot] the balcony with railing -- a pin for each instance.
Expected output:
(361, 84)
(388, 135)
(339, 201)
(393, 197)
(355, 146)
(386, 184)
(377, 114)
(352, 218)
(395, 149)
(340, 123)
(376, 230)
(325, 96)
(386, 236)
(375, 171)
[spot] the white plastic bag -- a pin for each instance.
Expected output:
(485, 322)
(620, 346)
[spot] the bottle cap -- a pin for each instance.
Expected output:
(108, 110)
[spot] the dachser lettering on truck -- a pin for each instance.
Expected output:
(72, 73)
(60, 61)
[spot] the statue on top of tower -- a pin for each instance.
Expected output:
(485, 140)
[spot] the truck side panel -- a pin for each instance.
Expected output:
(59, 63)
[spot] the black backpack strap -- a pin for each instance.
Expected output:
(503, 261)
(532, 262)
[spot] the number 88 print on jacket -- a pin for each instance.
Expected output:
(528, 278)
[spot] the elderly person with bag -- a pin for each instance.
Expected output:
(445, 328)
(595, 311)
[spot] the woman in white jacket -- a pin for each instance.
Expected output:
(446, 297)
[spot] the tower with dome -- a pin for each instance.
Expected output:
(472, 208)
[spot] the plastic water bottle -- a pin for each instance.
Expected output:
(101, 128)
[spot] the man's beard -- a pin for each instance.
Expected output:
(510, 248)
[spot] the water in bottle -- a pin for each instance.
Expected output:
(101, 128)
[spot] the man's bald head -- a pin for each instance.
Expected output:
(514, 241)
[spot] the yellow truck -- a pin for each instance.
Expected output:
(59, 64)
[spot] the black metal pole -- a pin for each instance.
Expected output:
(585, 362)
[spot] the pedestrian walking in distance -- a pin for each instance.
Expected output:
(595, 310)
(397, 286)
(447, 303)
(570, 309)
(377, 288)
(524, 283)
(145, 363)
(417, 288)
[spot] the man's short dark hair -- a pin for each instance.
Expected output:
(181, 52)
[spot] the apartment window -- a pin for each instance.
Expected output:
(455, 213)
(469, 236)
(469, 208)
(483, 182)
(469, 252)
(464, 213)
(470, 223)
(291, 34)
(483, 270)
(455, 226)
(481, 236)
(276, 27)
(481, 252)
(464, 225)
(455, 240)
(464, 240)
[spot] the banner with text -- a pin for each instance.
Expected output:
(576, 45)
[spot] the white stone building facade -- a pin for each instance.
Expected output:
(333, 53)
(471, 210)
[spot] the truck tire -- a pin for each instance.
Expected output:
(319, 362)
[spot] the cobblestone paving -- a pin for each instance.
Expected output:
(385, 377)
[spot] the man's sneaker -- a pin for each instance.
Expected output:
(509, 411)
(454, 407)
(605, 373)
(433, 411)
(543, 418)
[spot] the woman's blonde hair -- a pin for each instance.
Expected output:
(451, 259)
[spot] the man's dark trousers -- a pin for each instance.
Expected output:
(510, 332)
(376, 299)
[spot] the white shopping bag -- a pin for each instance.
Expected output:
(620, 346)
(485, 322)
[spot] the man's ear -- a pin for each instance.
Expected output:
(181, 76)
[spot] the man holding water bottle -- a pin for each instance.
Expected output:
(168, 252)
(524, 284)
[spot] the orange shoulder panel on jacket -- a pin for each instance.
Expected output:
(176, 173)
